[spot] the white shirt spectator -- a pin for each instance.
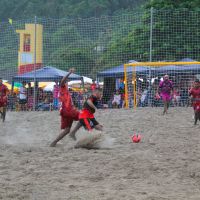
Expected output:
(22, 93)
(144, 95)
(116, 99)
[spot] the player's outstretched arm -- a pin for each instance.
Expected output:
(64, 79)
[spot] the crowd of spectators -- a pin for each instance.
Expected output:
(44, 100)
(147, 95)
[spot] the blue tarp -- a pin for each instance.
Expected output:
(178, 68)
(195, 67)
(45, 74)
(118, 72)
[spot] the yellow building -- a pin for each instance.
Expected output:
(30, 48)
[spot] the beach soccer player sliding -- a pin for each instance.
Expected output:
(3, 99)
(195, 98)
(165, 90)
(68, 112)
(86, 116)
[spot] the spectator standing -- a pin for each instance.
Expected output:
(23, 97)
(55, 96)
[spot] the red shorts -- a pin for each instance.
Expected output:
(87, 120)
(86, 114)
(88, 123)
(196, 106)
(66, 122)
(3, 101)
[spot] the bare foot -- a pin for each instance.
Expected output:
(53, 144)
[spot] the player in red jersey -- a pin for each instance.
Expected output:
(68, 112)
(195, 97)
(3, 99)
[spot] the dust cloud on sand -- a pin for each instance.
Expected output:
(165, 165)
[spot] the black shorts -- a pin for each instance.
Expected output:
(22, 101)
(88, 123)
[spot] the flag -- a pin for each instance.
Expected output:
(10, 21)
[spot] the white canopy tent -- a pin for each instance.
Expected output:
(87, 80)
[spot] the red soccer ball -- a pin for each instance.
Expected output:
(136, 138)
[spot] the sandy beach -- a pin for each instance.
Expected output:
(165, 165)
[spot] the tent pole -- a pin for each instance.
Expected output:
(134, 88)
(126, 86)
(12, 86)
(83, 84)
(34, 100)
(150, 55)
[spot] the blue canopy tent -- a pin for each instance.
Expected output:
(45, 74)
(190, 68)
(110, 76)
(181, 69)
(118, 72)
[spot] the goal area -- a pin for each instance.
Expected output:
(142, 81)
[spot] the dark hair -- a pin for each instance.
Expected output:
(196, 81)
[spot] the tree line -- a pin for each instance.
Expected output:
(86, 39)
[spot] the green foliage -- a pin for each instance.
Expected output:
(63, 8)
(93, 44)
(175, 34)
(174, 4)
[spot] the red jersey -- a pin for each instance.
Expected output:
(87, 111)
(67, 109)
(166, 87)
(195, 93)
(3, 95)
(65, 97)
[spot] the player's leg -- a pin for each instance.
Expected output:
(4, 113)
(76, 128)
(195, 115)
(99, 127)
(198, 116)
(96, 125)
(66, 124)
(60, 136)
(165, 107)
(168, 103)
(1, 111)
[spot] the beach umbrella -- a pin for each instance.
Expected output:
(9, 86)
(17, 85)
(40, 84)
(77, 83)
